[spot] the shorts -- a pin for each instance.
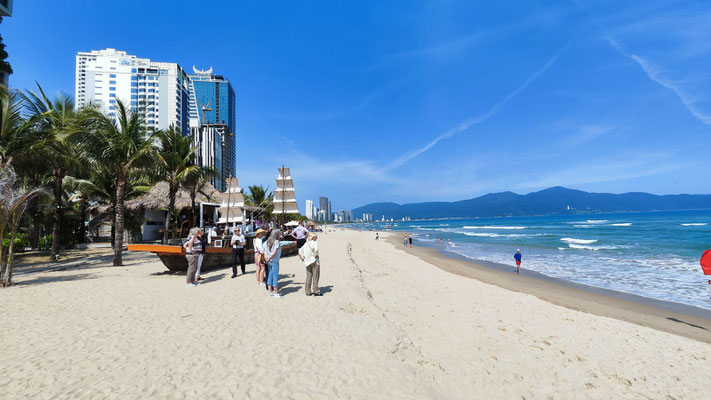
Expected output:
(518, 263)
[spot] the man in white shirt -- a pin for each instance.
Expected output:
(300, 233)
(238, 242)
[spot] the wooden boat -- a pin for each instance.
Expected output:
(173, 257)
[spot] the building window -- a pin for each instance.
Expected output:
(112, 108)
(112, 89)
(112, 94)
(134, 90)
(112, 75)
(134, 77)
(133, 70)
(134, 84)
(112, 82)
(133, 97)
(150, 78)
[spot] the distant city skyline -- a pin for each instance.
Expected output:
(436, 101)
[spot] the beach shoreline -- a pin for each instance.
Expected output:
(677, 318)
(389, 325)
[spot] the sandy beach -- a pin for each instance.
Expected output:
(391, 325)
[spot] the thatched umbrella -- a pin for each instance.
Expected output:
(157, 198)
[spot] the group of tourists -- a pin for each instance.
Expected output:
(267, 247)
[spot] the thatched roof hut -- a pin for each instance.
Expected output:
(157, 198)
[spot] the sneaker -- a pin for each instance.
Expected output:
(234, 276)
(191, 284)
(277, 295)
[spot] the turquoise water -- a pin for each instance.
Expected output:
(653, 254)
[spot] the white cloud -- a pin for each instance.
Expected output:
(478, 119)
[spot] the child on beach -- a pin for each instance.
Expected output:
(517, 257)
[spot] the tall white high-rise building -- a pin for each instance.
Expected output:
(158, 90)
(311, 211)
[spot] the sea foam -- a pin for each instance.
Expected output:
(578, 241)
(695, 224)
(494, 227)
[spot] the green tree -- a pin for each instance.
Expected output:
(260, 196)
(198, 183)
(175, 166)
(51, 122)
(124, 147)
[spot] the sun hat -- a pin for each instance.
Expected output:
(260, 231)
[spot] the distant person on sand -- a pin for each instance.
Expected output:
(309, 256)
(194, 248)
(272, 252)
(238, 242)
(517, 257)
(257, 243)
(409, 241)
(376, 236)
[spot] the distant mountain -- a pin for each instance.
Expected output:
(556, 200)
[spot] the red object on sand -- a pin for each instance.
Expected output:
(706, 262)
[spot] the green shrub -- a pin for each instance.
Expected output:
(45, 242)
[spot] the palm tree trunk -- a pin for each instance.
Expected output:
(168, 214)
(82, 227)
(33, 209)
(57, 226)
(119, 221)
(15, 221)
(194, 212)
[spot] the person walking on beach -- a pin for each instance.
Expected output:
(194, 248)
(309, 256)
(237, 242)
(517, 257)
(409, 241)
(257, 243)
(377, 236)
(272, 253)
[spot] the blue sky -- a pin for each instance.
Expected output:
(417, 101)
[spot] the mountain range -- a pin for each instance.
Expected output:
(555, 200)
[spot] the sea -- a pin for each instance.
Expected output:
(651, 254)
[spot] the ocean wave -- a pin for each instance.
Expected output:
(494, 227)
(596, 221)
(578, 241)
(695, 224)
(481, 234)
(622, 224)
(583, 226)
(593, 248)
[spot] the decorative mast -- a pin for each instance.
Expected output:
(284, 197)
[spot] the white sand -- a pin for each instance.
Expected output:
(389, 326)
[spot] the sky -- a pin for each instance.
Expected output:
(418, 101)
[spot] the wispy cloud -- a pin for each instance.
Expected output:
(656, 74)
(587, 133)
(478, 119)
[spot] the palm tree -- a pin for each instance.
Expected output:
(51, 123)
(100, 186)
(260, 196)
(12, 125)
(175, 166)
(198, 183)
(124, 147)
(13, 201)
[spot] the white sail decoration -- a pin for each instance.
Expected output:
(284, 197)
(232, 203)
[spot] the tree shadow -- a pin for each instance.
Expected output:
(52, 279)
